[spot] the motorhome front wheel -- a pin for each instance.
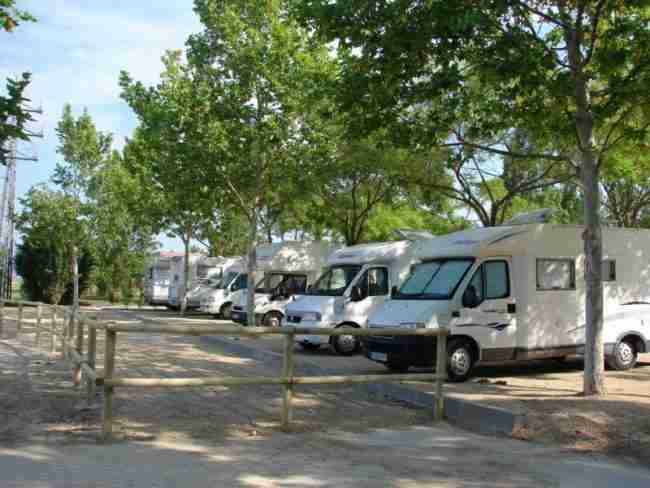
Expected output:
(272, 319)
(624, 356)
(346, 345)
(226, 311)
(460, 360)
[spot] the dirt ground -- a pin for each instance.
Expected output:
(39, 402)
(546, 394)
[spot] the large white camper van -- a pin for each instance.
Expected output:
(287, 270)
(217, 301)
(356, 281)
(517, 292)
(157, 278)
(209, 271)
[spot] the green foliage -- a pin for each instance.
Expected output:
(13, 115)
(50, 229)
(10, 16)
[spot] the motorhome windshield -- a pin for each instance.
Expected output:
(226, 280)
(335, 280)
(291, 284)
(435, 280)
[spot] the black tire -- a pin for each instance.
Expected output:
(309, 347)
(397, 367)
(623, 357)
(225, 312)
(345, 345)
(460, 360)
(272, 319)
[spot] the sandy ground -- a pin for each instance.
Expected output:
(342, 436)
(545, 393)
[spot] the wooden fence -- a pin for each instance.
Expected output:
(72, 335)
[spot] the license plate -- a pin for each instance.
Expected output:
(379, 356)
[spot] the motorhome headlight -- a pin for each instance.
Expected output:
(312, 316)
(413, 325)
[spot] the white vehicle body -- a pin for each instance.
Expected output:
(287, 269)
(209, 270)
(331, 302)
(220, 293)
(157, 278)
(527, 297)
(178, 277)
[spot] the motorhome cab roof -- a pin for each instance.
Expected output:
(292, 256)
(381, 252)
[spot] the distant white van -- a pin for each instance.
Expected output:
(217, 299)
(196, 262)
(287, 268)
(356, 281)
(516, 292)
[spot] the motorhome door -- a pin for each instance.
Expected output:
(488, 312)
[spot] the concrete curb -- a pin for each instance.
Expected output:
(473, 416)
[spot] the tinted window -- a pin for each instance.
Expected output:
(335, 280)
(609, 270)
(377, 282)
(436, 280)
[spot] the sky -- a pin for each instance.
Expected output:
(75, 52)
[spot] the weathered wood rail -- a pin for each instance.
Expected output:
(72, 337)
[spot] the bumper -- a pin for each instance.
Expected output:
(414, 351)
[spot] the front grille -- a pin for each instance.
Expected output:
(294, 319)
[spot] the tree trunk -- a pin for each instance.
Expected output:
(186, 275)
(594, 375)
(252, 267)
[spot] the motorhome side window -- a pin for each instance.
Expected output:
(491, 281)
(556, 274)
(609, 270)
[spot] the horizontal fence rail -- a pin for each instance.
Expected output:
(286, 379)
(70, 327)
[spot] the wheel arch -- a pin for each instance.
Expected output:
(476, 349)
(636, 338)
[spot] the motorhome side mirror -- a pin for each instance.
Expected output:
(471, 298)
(393, 291)
(355, 294)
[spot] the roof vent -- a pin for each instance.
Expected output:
(537, 217)
(413, 235)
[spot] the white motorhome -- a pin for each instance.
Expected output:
(178, 276)
(288, 268)
(356, 281)
(209, 271)
(217, 301)
(157, 278)
(517, 292)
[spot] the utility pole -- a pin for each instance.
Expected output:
(8, 213)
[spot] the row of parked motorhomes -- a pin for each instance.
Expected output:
(507, 293)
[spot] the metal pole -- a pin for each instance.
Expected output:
(287, 372)
(39, 318)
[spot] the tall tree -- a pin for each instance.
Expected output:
(573, 73)
(257, 65)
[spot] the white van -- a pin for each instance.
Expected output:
(288, 268)
(356, 281)
(157, 278)
(209, 271)
(517, 292)
(217, 301)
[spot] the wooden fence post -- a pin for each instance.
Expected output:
(2, 315)
(441, 373)
(79, 346)
(92, 354)
(64, 331)
(287, 372)
(39, 318)
(53, 330)
(19, 325)
(109, 366)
